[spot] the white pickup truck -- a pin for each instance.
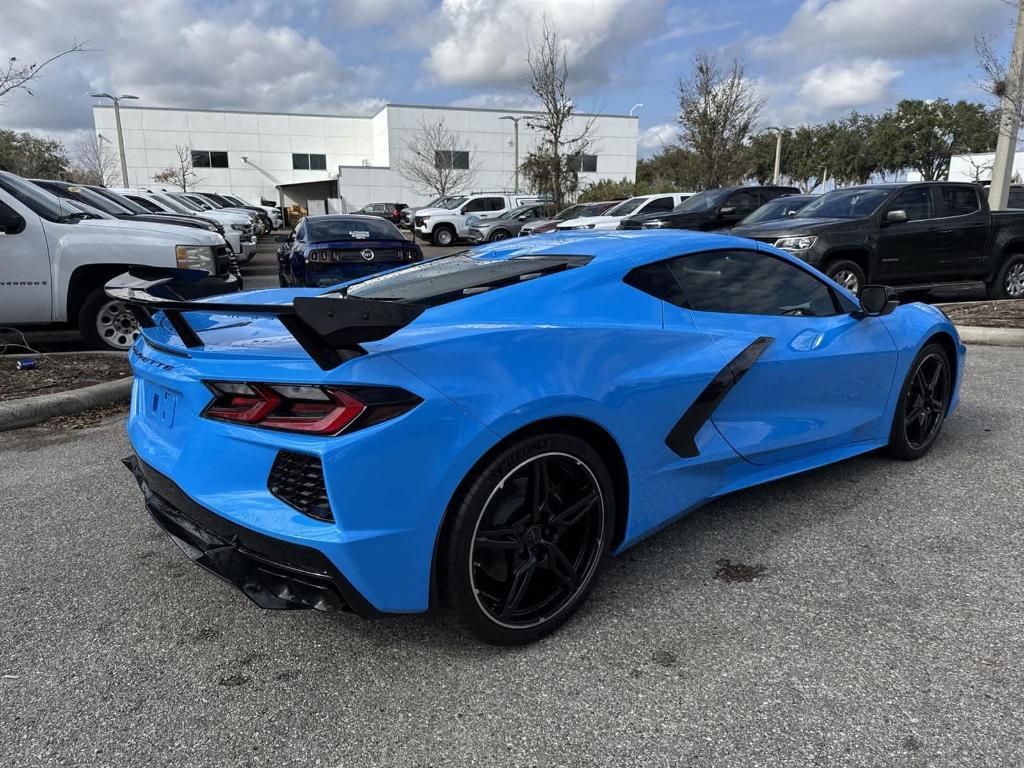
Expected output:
(54, 263)
(444, 225)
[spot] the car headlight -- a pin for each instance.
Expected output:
(424, 218)
(195, 257)
(239, 227)
(656, 224)
(801, 243)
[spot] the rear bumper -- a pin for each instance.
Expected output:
(274, 574)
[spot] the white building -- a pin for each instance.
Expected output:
(978, 167)
(258, 155)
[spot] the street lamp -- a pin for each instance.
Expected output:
(120, 136)
(635, 106)
(777, 176)
(515, 121)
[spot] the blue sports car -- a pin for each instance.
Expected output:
(335, 248)
(478, 432)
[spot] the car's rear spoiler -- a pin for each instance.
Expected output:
(329, 327)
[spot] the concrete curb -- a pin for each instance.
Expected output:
(994, 337)
(29, 411)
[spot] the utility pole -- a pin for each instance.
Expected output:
(777, 175)
(1009, 123)
(515, 144)
(120, 135)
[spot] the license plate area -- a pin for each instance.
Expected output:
(159, 404)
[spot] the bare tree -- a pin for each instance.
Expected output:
(998, 82)
(182, 174)
(980, 168)
(435, 162)
(719, 110)
(554, 166)
(17, 76)
(95, 162)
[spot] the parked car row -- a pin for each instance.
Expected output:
(59, 250)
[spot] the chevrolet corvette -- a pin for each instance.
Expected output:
(477, 433)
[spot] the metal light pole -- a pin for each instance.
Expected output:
(1009, 123)
(515, 122)
(120, 135)
(777, 176)
(635, 106)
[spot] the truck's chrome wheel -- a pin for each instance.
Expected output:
(1015, 281)
(848, 280)
(116, 325)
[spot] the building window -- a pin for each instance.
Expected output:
(446, 158)
(204, 158)
(303, 162)
(588, 164)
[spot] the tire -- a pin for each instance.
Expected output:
(106, 323)
(442, 236)
(528, 576)
(848, 274)
(1009, 279)
(501, 234)
(911, 438)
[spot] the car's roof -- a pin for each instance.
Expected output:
(335, 216)
(608, 247)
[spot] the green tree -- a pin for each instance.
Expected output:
(32, 156)
(922, 135)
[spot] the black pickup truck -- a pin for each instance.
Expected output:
(710, 210)
(915, 237)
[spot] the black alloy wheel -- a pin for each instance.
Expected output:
(501, 234)
(528, 539)
(923, 405)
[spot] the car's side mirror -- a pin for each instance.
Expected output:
(896, 217)
(522, 218)
(877, 300)
(727, 210)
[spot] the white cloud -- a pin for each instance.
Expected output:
(858, 83)
(883, 28)
(484, 42)
(657, 137)
(172, 54)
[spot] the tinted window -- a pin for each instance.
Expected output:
(300, 162)
(318, 162)
(484, 204)
(659, 204)
(204, 158)
(703, 201)
(1016, 199)
(845, 204)
(750, 283)
(350, 228)
(777, 209)
(960, 201)
(745, 201)
(588, 163)
(445, 158)
(37, 200)
(917, 202)
(149, 205)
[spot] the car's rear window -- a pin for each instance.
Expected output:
(452, 277)
(320, 230)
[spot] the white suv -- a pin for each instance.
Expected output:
(660, 203)
(443, 226)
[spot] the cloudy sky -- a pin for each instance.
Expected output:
(814, 59)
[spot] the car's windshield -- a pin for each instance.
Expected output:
(234, 200)
(522, 210)
(572, 212)
(217, 200)
(323, 228)
(845, 204)
(595, 209)
(121, 200)
(776, 209)
(702, 201)
(86, 196)
(196, 201)
(38, 200)
(627, 206)
(454, 202)
(188, 202)
(171, 203)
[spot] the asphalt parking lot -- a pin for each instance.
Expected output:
(883, 625)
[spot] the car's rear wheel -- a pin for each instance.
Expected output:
(443, 236)
(923, 404)
(527, 538)
(1009, 279)
(848, 274)
(107, 323)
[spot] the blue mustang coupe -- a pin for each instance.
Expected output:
(325, 250)
(480, 431)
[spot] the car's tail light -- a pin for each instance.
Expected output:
(307, 408)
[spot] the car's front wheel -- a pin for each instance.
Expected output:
(500, 234)
(107, 323)
(443, 236)
(526, 538)
(923, 404)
